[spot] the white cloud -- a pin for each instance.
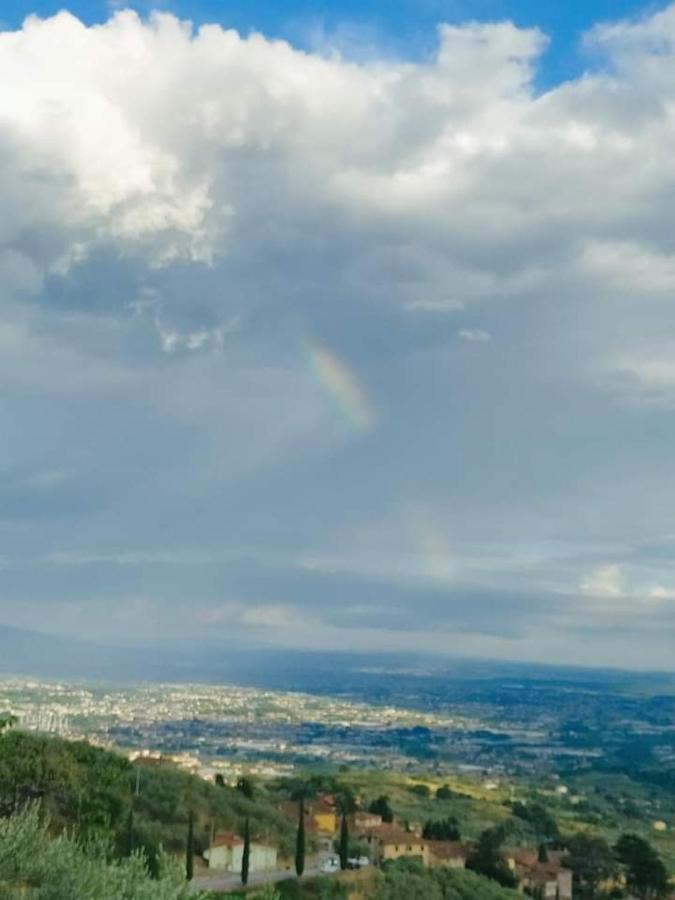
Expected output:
(474, 335)
(605, 581)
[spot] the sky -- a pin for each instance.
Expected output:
(344, 327)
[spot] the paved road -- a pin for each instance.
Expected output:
(228, 881)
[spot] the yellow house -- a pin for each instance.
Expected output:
(391, 842)
(320, 818)
(323, 817)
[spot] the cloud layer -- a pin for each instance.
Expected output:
(313, 350)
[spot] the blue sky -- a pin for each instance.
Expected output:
(402, 27)
(369, 349)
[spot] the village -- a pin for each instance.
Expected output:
(372, 841)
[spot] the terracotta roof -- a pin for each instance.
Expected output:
(448, 849)
(528, 866)
(226, 839)
(393, 834)
(529, 859)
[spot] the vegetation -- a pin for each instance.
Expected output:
(381, 807)
(592, 862)
(442, 830)
(36, 866)
(486, 858)
(246, 854)
(190, 849)
(646, 876)
(101, 794)
(344, 843)
(300, 841)
(409, 880)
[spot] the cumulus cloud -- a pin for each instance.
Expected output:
(186, 211)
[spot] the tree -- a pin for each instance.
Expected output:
(542, 822)
(219, 780)
(486, 858)
(591, 861)
(344, 843)
(190, 849)
(421, 790)
(300, 842)
(442, 830)
(345, 801)
(542, 855)
(381, 807)
(7, 721)
(646, 875)
(245, 787)
(246, 855)
(445, 793)
(129, 848)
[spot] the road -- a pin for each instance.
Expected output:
(229, 881)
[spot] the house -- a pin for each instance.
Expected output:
(450, 854)
(550, 880)
(387, 842)
(320, 818)
(227, 849)
(363, 821)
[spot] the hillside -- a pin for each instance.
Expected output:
(83, 813)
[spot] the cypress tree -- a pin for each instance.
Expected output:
(542, 856)
(246, 855)
(344, 843)
(190, 849)
(300, 842)
(130, 832)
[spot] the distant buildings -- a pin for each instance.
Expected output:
(226, 851)
(549, 879)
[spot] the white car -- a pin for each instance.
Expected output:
(330, 865)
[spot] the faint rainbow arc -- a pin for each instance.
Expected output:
(341, 383)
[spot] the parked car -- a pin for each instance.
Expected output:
(330, 865)
(357, 862)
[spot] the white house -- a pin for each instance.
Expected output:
(227, 849)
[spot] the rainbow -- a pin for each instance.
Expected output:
(342, 385)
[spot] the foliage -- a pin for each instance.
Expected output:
(542, 822)
(409, 880)
(646, 876)
(190, 849)
(35, 866)
(446, 793)
(442, 830)
(300, 841)
(486, 858)
(92, 791)
(246, 787)
(591, 861)
(422, 790)
(381, 807)
(246, 854)
(344, 843)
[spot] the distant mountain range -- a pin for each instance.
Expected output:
(375, 677)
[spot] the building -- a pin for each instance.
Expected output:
(387, 842)
(549, 880)
(320, 818)
(450, 854)
(364, 821)
(226, 851)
